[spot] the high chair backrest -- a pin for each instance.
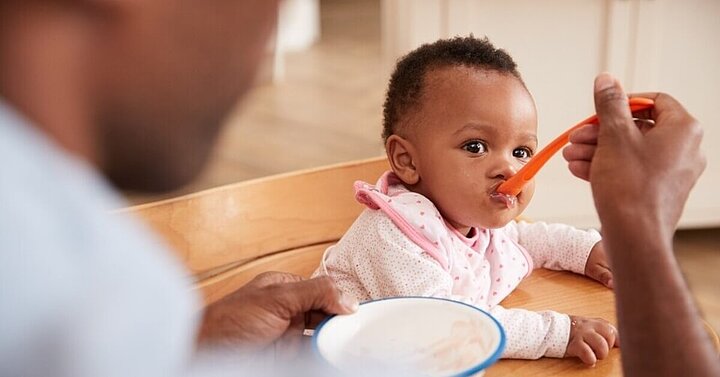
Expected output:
(227, 235)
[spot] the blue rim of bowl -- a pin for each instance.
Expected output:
(468, 372)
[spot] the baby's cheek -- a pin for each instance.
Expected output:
(526, 195)
(524, 200)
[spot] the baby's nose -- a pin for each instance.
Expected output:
(504, 170)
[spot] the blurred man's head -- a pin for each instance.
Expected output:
(161, 75)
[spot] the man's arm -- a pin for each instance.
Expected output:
(662, 334)
(641, 178)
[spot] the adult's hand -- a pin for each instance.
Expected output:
(271, 307)
(641, 178)
(637, 168)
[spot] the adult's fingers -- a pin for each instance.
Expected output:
(644, 125)
(646, 113)
(313, 319)
(611, 105)
(289, 346)
(665, 106)
(272, 277)
(579, 158)
(586, 134)
(320, 293)
(579, 152)
(580, 169)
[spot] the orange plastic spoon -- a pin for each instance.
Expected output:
(515, 184)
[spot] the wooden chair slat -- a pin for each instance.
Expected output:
(244, 221)
(302, 261)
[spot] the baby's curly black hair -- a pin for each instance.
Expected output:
(406, 82)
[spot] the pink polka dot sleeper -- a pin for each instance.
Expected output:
(401, 246)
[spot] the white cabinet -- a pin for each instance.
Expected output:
(560, 45)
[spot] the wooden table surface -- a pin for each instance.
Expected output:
(566, 293)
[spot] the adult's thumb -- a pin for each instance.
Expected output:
(611, 106)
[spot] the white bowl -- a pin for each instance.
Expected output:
(411, 336)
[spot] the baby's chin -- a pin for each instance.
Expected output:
(495, 224)
(499, 220)
(488, 218)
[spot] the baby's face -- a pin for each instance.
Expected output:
(474, 130)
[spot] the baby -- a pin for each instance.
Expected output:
(458, 121)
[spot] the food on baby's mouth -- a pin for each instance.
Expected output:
(509, 200)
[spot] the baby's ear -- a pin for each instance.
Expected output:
(400, 153)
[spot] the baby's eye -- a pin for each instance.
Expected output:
(522, 153)
(475, 147)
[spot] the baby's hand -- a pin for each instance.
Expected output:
(597, 266)
(591, 339)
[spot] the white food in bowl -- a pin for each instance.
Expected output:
(411, 336)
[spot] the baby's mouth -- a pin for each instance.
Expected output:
(510, 201)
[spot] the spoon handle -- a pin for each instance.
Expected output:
(515, 184)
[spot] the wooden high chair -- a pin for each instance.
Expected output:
(227, 235)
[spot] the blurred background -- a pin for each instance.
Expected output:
(319, 94)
